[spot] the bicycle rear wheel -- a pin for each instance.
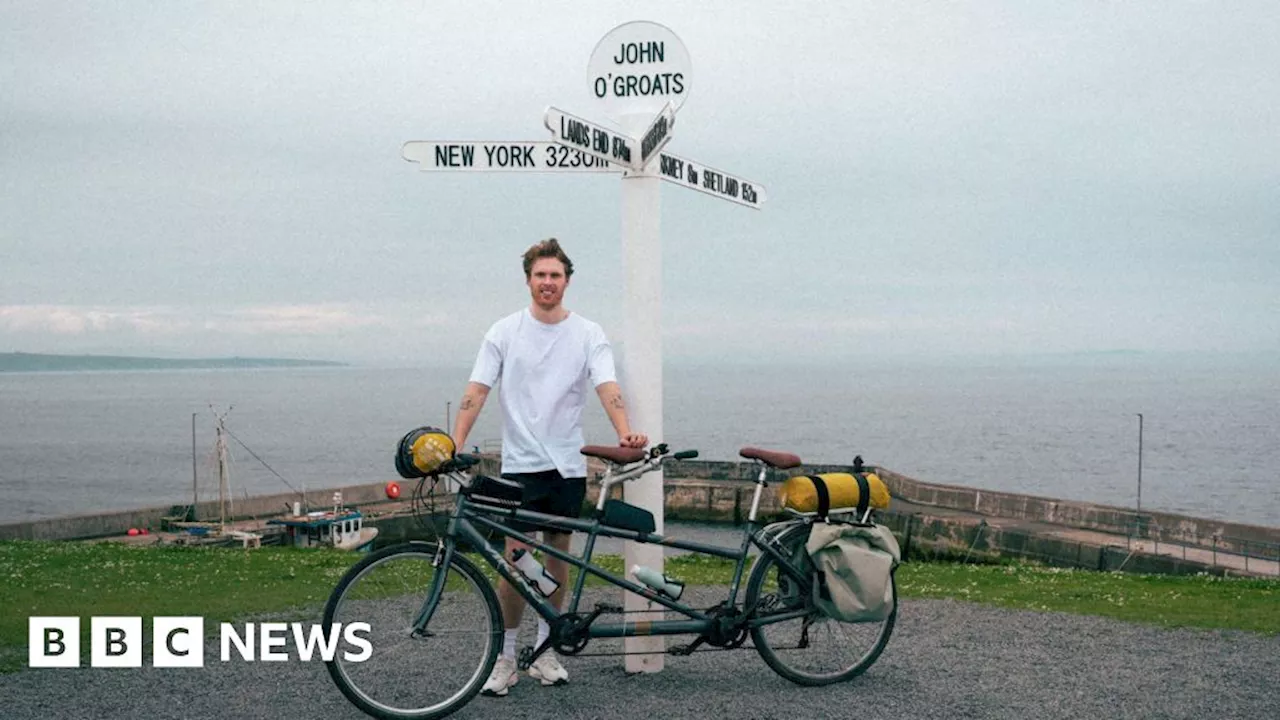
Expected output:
(411, 675)
(813, 649)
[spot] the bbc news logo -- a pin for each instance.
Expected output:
(54, 642)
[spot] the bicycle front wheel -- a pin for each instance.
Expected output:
(411, 674)
(812, 649)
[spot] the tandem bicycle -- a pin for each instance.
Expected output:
(436, 626)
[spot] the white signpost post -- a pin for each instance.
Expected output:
(640, 75)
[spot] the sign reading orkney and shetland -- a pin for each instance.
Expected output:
(690, 174)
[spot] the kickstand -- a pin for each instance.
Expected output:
(687, 649)
(804, 633)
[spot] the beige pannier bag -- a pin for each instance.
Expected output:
(854, 567)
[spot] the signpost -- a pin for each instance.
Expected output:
(636, 72)
(640, 76)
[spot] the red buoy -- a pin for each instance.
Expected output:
(133, 531)
(393, 490)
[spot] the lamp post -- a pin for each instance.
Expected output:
(1139, 462)
(195, 487)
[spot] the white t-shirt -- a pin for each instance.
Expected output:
(541, 372)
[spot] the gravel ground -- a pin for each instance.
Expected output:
(945, 660)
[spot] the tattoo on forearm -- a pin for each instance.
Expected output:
(616, 401)
(467, 403)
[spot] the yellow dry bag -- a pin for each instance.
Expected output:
(835, 492)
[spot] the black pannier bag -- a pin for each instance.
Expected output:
(623, 515)
(495, 491)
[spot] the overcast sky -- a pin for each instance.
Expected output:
(215, 178)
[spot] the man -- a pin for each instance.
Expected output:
(542, 358)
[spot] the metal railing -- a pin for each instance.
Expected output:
(981, 543)
(1217, 550)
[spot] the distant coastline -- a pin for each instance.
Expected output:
(36, 362)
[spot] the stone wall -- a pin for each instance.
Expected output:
(1159, 526)
(105, 524)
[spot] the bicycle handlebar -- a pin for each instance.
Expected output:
(661, 453)
(657, 455)
(661, 450)
(458, 463)
(654, 458)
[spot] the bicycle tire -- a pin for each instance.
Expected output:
(829, 639)
(412, 677)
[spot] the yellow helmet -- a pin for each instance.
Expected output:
(423, 451)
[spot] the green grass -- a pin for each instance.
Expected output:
(1200, 601)
(223, 585)
(86, 579)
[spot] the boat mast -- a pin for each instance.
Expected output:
(222, 477)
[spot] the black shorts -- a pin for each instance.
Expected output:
(547, 492)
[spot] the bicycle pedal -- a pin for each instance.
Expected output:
(524, 659)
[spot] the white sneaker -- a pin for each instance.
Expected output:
(504, 675)
(548, 670)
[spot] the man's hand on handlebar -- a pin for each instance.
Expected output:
(633, 440)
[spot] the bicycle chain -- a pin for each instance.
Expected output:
(676, 650)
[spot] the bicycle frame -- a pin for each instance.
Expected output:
(469, 517)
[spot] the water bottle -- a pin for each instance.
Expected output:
(534, 572)
(658, 581)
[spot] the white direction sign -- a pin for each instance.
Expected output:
(637, 68)
(501, 156)
(657, 135)
(608, 145)
(687, 173)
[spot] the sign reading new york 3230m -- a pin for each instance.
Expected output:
(639, 68)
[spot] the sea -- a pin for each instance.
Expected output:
(1207, 443)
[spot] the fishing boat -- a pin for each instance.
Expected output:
(341, 528)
